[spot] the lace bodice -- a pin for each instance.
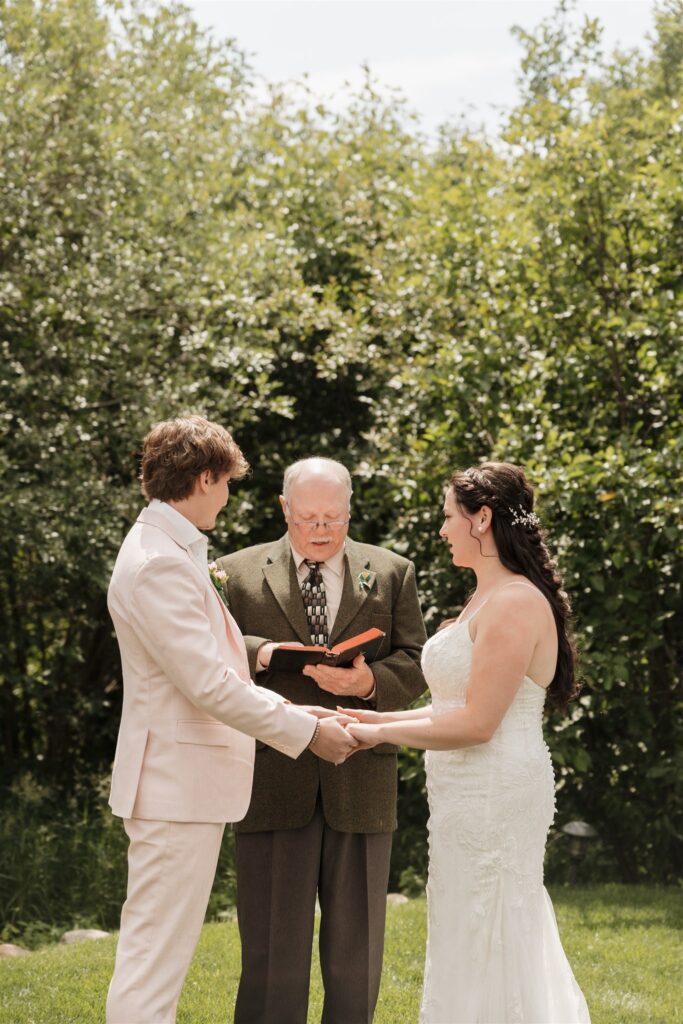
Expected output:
(446, 663)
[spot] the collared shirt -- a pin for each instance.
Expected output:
(332, 572)
(197, 543)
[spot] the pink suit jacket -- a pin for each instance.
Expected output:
(185, 750)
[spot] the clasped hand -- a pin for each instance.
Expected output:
(343, 732)
(363, 726)
(333, 743)
(336, 740)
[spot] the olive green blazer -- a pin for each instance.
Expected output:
(264, 597)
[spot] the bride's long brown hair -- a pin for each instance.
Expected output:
(522, 549)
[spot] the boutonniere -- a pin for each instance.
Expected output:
(219, 578)
(365, 579)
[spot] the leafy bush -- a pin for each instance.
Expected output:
(64, 862)
(329, 283)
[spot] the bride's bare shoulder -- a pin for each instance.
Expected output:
(519, 599)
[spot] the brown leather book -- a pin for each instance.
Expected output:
(288, 658)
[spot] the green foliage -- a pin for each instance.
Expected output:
(111, 150)
(329, 283)
(623, 943)
(64, 863)
(561, 351)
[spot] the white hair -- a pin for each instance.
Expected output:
(324, 467)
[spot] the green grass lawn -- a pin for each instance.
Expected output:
(624, 945)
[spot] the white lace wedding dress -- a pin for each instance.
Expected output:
(494, 954)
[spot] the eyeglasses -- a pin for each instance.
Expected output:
(313, 524)
(327, 524)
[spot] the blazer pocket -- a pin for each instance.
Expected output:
(385, 748)
(206, 734)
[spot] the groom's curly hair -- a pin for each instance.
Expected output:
(175, 452)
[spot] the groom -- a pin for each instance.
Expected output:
(185, 752)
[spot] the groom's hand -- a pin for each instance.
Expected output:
(356, 681)
(333, 742)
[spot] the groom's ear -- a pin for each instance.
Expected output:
(202, 481)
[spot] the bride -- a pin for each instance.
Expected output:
(494, 954)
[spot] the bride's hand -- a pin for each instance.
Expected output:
(367, 735)
(361, 715)
(318, 712)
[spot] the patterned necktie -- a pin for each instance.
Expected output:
(315, 602)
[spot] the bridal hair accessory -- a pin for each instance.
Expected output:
(522, 518)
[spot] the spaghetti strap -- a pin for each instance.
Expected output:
(514, 583)
(469, 618)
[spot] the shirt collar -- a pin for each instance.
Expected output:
(186, 531)
(335, 562)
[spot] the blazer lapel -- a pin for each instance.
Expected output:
(280, 574)
(354, 594)
(150, 517)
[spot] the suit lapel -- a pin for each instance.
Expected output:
(354, 594)
(232, 631)
(150, 517)
(280, 575)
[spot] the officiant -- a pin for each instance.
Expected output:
(312, 829)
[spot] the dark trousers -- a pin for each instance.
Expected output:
(278, 877)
